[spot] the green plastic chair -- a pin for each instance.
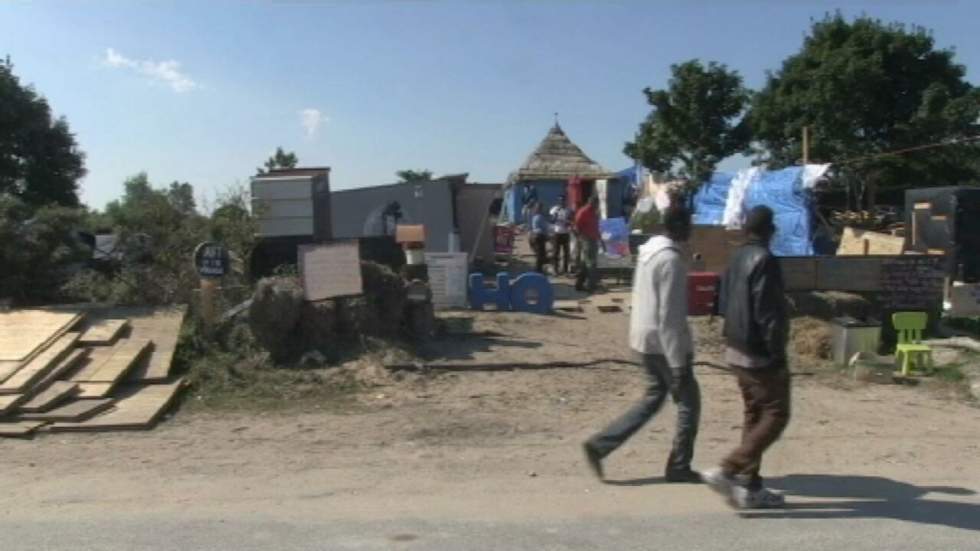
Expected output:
(910, 350)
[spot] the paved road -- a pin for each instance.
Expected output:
(825, 513)
(681, 532)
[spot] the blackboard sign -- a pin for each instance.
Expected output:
(211, 259)
(912, 282)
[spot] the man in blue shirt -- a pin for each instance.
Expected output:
(539, 236)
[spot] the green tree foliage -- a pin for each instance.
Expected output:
(866, 87)
(280, 159)
(39, 160)
(413, 176)
(694, 123)
(38, 249)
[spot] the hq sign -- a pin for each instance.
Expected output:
(513, 295)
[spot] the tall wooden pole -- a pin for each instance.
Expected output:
(806, 145)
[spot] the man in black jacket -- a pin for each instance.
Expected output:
(756, 329)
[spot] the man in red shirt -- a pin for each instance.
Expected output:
(587, 231)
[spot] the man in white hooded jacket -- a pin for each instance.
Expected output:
(660, 335)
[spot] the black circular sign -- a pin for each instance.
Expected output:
(211, 259)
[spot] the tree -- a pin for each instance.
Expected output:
(865, 87)
(694, 124)
(39, 160)
(413, 176)
(279, 160)
(181, 197)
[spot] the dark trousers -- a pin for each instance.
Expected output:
(766, 396)
(562, 247)
(539, 243)
(587, 277)
(688, 399)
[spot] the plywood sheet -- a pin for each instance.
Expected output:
(103, 332)
(74, 411)
(23, 332)
(94, 390)
(329, 271)
(123, 357)
(160, 324)
(58, 392)
(138, 407)
(19, 428)
(863, 242)
(10, 402)
(36, 369)
(65, 366)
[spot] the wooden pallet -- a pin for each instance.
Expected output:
(36, 369)
(138, 407)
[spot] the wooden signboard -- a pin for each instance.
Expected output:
(447, 279)
(912, 282)
(329, 271)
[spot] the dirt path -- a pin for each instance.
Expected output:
(469, 445)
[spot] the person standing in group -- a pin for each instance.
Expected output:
(539, 237)
(529, 199)
(561, 221)
(587, 233)
(756, 328)
(659, 333)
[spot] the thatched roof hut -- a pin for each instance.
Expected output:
(558, 158)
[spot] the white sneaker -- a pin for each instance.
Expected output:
(718, 481)
(743, 498)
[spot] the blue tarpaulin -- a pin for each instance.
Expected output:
(784, 191)
(709, 201)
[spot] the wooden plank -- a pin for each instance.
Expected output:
(848, 273)
(24, 332)
(10, 402)
(65, 366)
(138, 407)
(39, 366)
(862, 242)
(55, 394)
(94, 390)
(19, 428)
(103, 332)
(160, 324)
(799, 273)
(72, 412)
(90, 365)
(9, 367)
(123, 357)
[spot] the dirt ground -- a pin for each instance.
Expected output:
(450, 440)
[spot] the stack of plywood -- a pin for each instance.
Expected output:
(86, 368)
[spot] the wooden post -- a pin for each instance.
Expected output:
(209, 289)
(806, 145)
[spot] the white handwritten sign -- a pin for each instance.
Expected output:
(447, 278)
(329, 271)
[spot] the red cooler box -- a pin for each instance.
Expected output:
(702, 292)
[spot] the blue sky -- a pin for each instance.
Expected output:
(204, 91)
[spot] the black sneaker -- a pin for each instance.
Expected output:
(594, 460)
(684, 476)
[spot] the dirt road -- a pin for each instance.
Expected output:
(494, 457)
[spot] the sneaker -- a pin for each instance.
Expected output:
(720, 482)
(683, 476)
(744, 498)
(594, 460)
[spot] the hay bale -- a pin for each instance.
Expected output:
(810, 337)
(274, 315)
(385, 296)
